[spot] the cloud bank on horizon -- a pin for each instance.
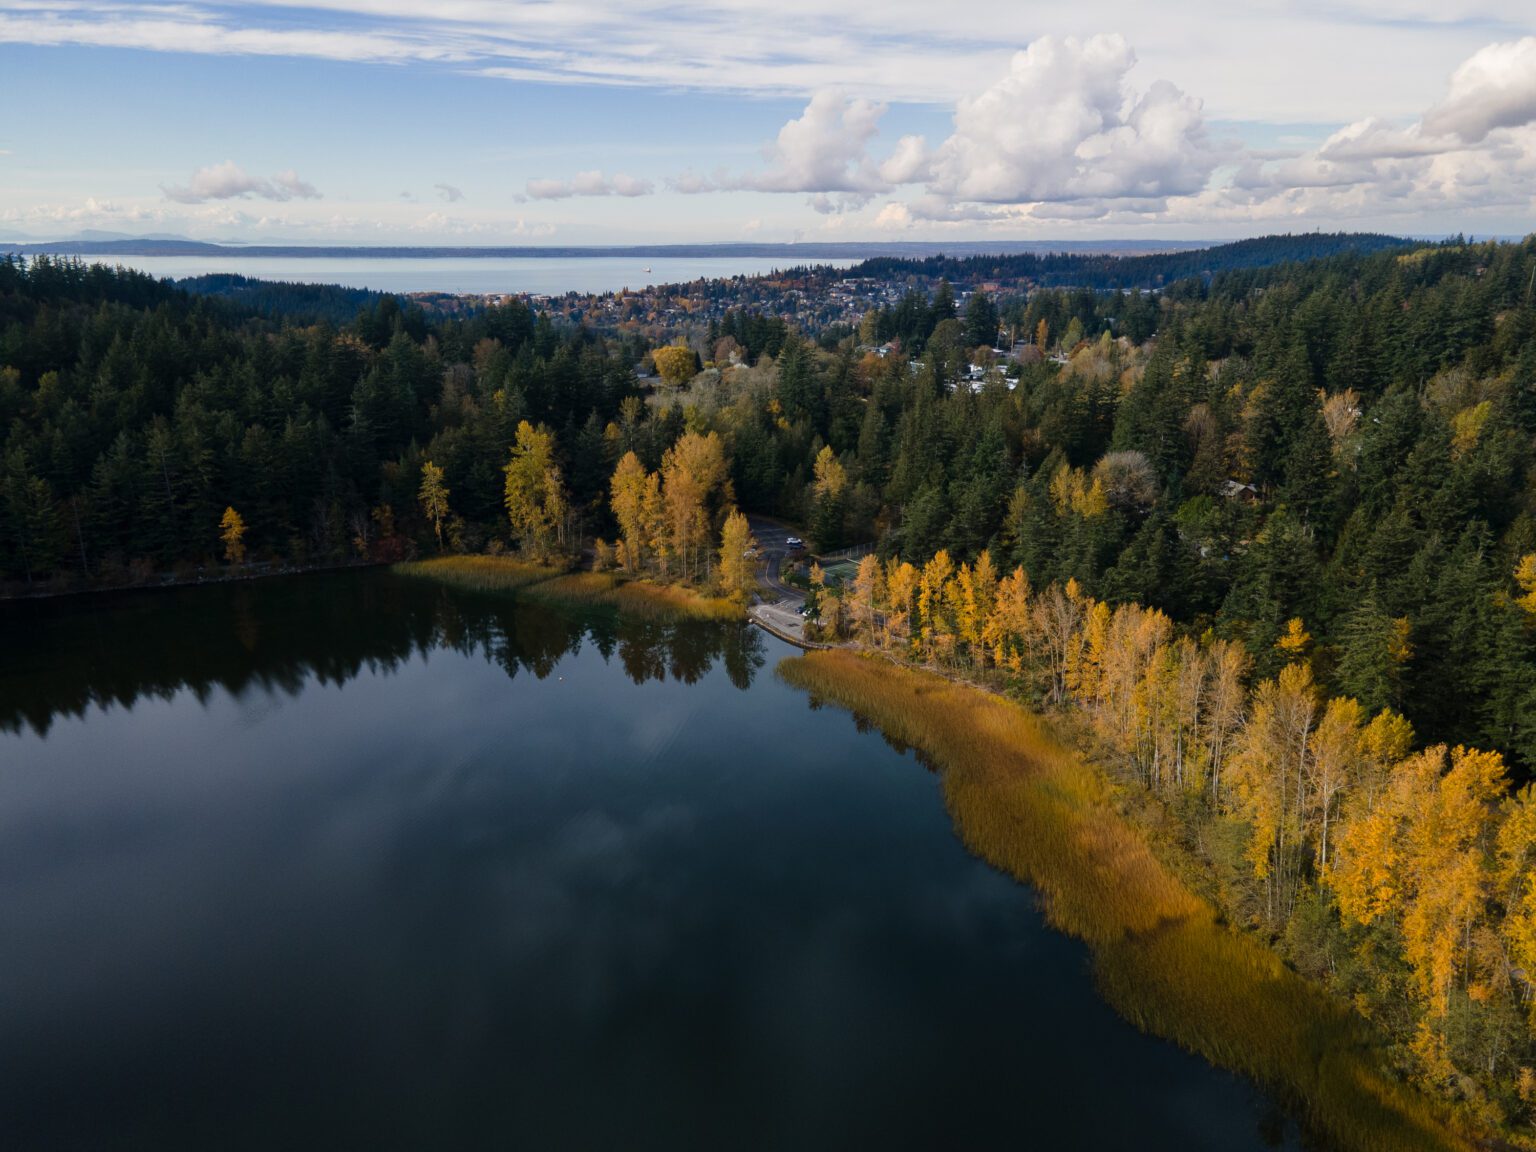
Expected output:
(1396, 114)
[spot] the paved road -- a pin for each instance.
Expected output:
(779, 603)
(771, 542)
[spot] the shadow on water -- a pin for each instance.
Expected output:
(59, 658)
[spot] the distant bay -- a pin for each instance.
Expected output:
(539, 276)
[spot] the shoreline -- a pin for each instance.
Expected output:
(1032, 807)
(169, 581)
(573, 587)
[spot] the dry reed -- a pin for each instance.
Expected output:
(1031, 807)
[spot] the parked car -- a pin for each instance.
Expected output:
(794, 542)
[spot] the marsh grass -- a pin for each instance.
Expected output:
(479, 573)
(635, 597)
(573, 589)
(1031, 807)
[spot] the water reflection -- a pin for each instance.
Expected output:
(335, 881)
(61, 657)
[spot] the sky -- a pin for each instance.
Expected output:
(645, 121)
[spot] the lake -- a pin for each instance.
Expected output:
(346, 860)
(539, 276)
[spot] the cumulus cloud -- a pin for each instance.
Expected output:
(1063, 124)
(823, 150)
(593, 183)
(1495, 89)
(909, 163)
(1475, 149)
(228, 181)
(449, 193)
(1064, 136)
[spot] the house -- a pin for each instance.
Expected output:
(1237, 490)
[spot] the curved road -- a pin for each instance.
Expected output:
(779, 603)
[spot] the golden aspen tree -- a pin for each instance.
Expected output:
(674, 364)
(1073, 491)
(1525, 576)
(1057, 617)
(1225, 702)
(1295, 642)
(1129, 695)
(232, 534)
(1420, 855)
(902, 581)
(829, 476)
(627, 499)
(1447, 866)
(534, 492)
(738, 563)
(1191, 682)
(434, 498)
(1335, 750)
(983, 602)
(868, 590)
(1085, 659)
(933, 630)
(960, 603)
(1515, 885)
(1268, 778)
(653, 516)
(694, 477)
(1008, 627)
(1386, 742)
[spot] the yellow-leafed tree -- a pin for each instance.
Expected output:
(434, 498)
(232, 533)
(738, 558)
(535, 492)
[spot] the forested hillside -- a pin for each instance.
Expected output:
(281, 300)
(1105, 271)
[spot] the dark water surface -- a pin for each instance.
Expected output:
(346, 861)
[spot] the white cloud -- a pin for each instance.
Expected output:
(593, 183)
(824, 150)
(1243, 59)
(691, 183)
(1065, 137)
(909, 163)
(1495, 89)
(1475, 150)
(449, 193)
(228, 181)
(1064, 125)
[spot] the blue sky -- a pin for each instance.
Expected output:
(585, 121)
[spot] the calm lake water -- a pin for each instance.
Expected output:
(547, 276)
(346, 861)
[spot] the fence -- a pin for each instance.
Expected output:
(857, 552)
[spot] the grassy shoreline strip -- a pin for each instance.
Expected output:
(573, 589)
(1031, 807)
(479, 573)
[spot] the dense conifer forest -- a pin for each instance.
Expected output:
(1108, 271)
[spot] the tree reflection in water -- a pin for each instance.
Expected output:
(60, 657)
